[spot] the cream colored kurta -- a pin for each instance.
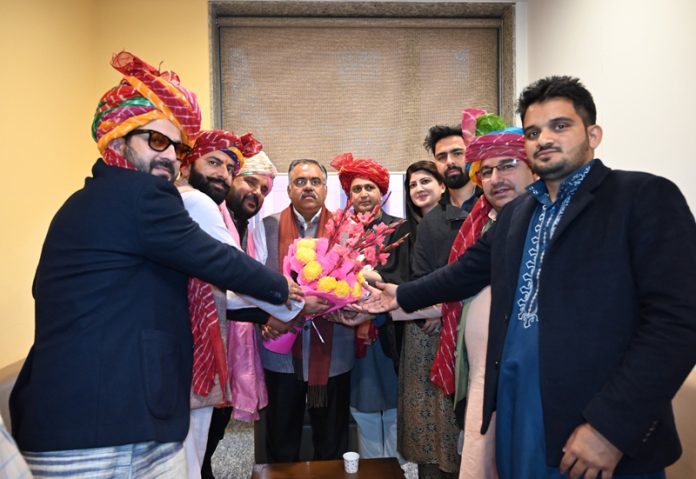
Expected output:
(478, 455)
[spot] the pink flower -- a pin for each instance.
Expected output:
(370, 256)
(350, 246)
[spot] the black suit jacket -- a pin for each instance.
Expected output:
(617, 310)
(112, 356)
(436, 233)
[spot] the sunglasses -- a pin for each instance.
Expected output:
(159, 142)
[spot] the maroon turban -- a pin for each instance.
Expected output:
(233, 146)
(350, 168)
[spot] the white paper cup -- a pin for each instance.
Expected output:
(350, 462)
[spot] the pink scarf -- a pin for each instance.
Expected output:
(246, 377)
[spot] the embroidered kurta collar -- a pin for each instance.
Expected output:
(568, 186)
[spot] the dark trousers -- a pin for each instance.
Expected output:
(221, 417)
(285, 414)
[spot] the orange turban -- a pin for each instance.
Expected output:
(350, 168)
(143, 95)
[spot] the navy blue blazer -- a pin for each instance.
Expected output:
(617, 310)
(112, 355)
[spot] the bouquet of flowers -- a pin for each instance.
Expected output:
(331, 267)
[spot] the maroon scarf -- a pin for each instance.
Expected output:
(319, 353)
(208, 346)
(442, 371)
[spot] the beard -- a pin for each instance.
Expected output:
(140, 165)
(205, 184)
(456, 181)
(550, 172)
(565, 166)
(236, 203)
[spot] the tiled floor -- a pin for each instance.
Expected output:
(234, 457)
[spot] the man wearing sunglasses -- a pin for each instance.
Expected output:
(158, 161)
(106, 384)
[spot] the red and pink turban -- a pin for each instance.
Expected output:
(237, 148)
(350, 168)
(143, 95)
(507, 143)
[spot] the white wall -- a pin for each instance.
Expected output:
(278, 200)
(638, 59)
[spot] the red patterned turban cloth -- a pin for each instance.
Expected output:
(144, 94)
(485, 136)
(237, 148)
(350, 168)
(507, 143)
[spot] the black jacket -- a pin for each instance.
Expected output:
(436, 233)
(617, 310)
(112, 355)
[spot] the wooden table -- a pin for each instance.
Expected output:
(384, 468)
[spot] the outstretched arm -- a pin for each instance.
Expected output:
(382, 299)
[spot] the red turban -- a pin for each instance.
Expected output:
(143, 95)
(233, 146)
(508, 143)
(350, 168)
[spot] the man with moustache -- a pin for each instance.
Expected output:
(593, 318)
(206, 175)
(249, 189)
(498, 164)
(374, 387)
(436, 233)
(316, 373)
(439, 227)
(105, 387)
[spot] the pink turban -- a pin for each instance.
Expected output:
(508, 143)
(233, 146)
(350, 168)
(143, 95)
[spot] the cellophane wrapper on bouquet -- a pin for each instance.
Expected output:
(331, 267)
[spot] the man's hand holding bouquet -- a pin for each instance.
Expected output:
(330, 268)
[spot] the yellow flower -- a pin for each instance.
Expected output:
(305, 255)
(360, 277)
(326, 284)
(307, 243)
(357, 291)
(312, 271)
(342, 289)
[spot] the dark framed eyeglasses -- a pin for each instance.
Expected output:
(504, 167)
(160, 142)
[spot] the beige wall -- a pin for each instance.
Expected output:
(55, 66)
(637, 58)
